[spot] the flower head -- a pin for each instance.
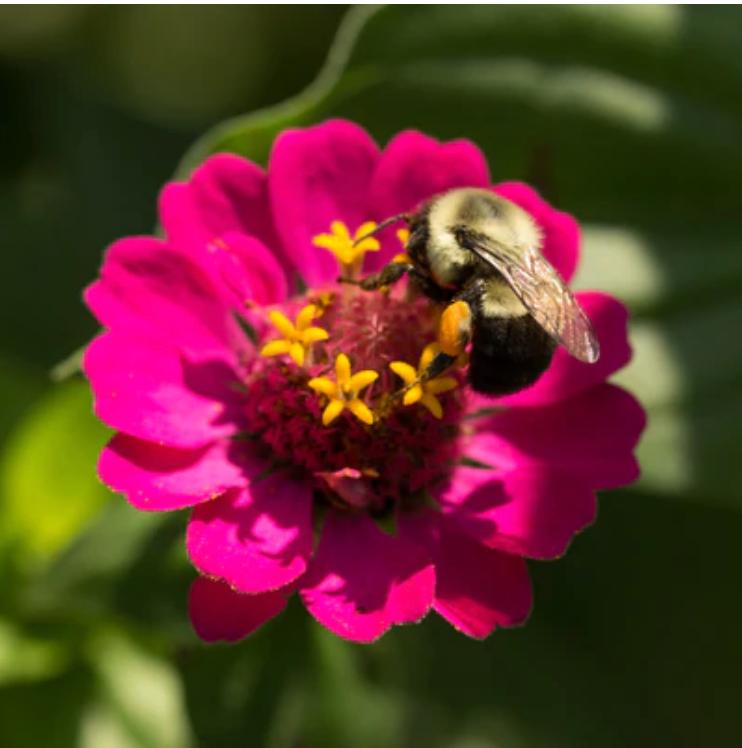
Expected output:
(272, 410)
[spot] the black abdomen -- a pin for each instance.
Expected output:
(508, 354)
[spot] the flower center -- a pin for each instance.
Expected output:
(321, 398)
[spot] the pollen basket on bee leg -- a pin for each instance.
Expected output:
(454, 331)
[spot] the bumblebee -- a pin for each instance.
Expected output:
(478, 256)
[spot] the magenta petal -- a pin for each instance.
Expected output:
(225, 194)
(163, 478)
(567, 376)
(257, 539)
(148, 390)
(591, 436)
(218, 613)
(147, 285)
(317, 176)
(414, 168)
(182, 224)
(561, 233)
(532, 511)
(248, 269)
(363, 581)
(477, 588)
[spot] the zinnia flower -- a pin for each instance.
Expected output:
(245, 382)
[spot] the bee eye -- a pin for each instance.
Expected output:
(460, 233)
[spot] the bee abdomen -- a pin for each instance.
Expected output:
(508, 354)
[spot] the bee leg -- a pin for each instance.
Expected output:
(454, 331)
(387, 276)
(454, 334)
(393, 272)
(441, 362)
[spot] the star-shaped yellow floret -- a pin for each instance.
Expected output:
(296, 338)
(349, 253)
(424, 393)
(343, 392)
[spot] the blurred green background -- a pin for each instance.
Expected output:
(630, 117)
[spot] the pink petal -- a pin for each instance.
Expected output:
(218, 613)
(226, 194)
(561, 233)
(257, 539)
(317, 176)
(531, 511)
(147, 389)
(162, 478)
(477, 588)
(181, 221)
(567, 376)
(149, 286)
(412, 169)
(591, 436)
(248, 269)
(363, 581)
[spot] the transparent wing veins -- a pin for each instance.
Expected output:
(544, 294)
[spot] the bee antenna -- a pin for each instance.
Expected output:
(383, 225)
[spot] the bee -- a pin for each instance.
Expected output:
(478, 255)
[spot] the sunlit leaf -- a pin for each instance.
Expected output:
(48, 485)
(139, 690)
(23, 658)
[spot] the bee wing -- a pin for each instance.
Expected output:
(545, 295)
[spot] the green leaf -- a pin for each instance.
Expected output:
(20, 385)
(347, 708)
(141, 700)
(24, 658)
(78, 550)
(256, 688)
(539, 92)
(49, 488)
(641, 611)
(252, 135)
(125, 696)
(686, 369)
(46, 713)
(86, 579)
(662, 271)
